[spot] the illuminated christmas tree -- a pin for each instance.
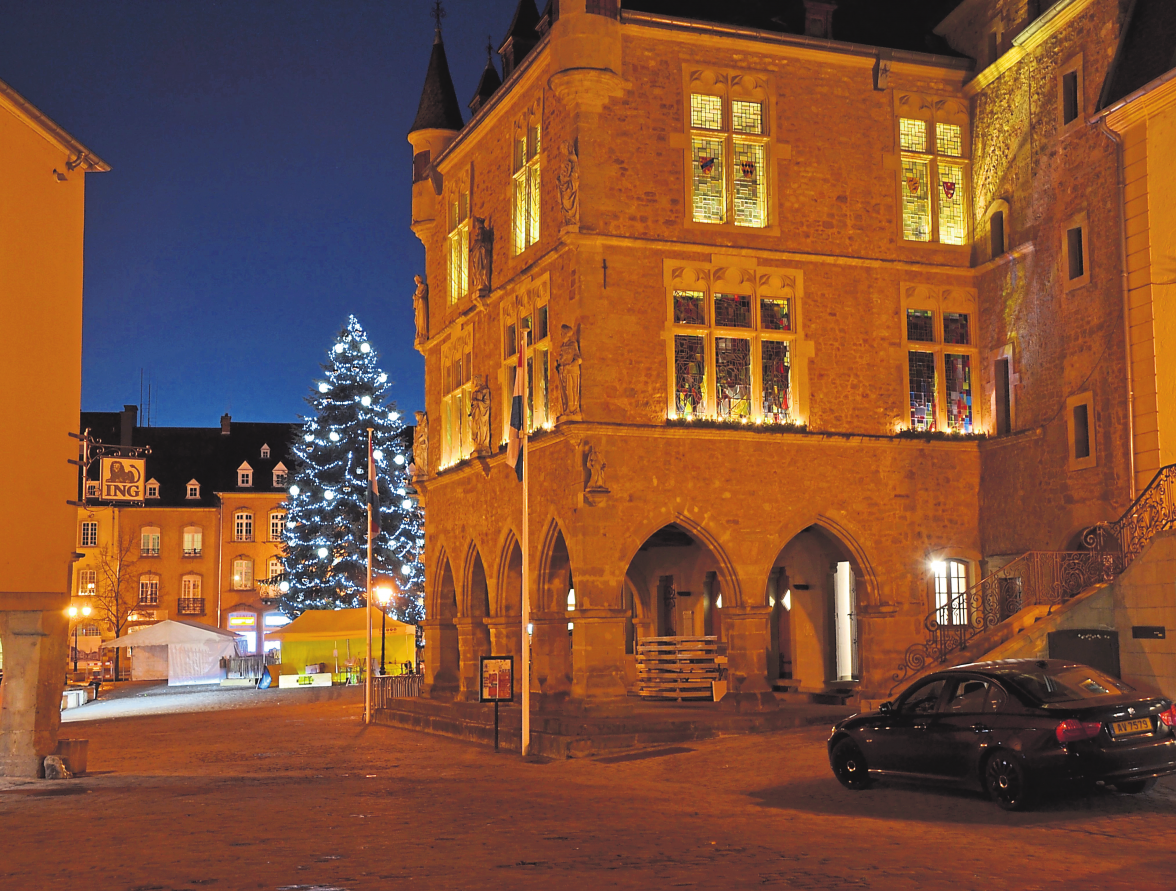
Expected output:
(325, 553)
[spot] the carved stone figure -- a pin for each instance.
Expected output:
(481, 243)
(567, 366)
(568, 180)
(420, 444)
(480, 415)
(420, 305)
(595, 464)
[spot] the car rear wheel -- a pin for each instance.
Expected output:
(849, 765)
(1135, 787)
(1005, 780)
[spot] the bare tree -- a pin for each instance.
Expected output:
(115, 595)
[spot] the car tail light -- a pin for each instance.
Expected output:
(1169, 717)
(1071, 730)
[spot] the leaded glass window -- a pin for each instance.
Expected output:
(751, 207)
(457, 244)
(916, 202)
(953, 227)
(958, 379)
(689, 308)
(922, 383)
(933, 168)
(729, 161)
(733, 377)
(689, 374)
(912, 135)
(949, 140)
(525, 163)
(776, 380)
(921, 325)
(776, 314)
(732, 311)
(706, 112)
(710, 199)
(747, 117)
(955, 328)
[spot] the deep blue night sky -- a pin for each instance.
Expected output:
(259, 190)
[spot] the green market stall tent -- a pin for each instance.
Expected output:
(338, 636)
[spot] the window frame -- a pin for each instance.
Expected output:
(457, 241)
(148, 589)
(189, 534)
(933, 112)
(87, 582)
(242, 525)
(526, 153)
(237, 581)
(245, 476)
(151, 489)
(1091, 459)
(192, 488)
(1079, 222)
(939, 303)
(277, 521)
(189, 582)
(88, 534)
(149, 541)
(457, 385)
(956, 579)
(532, 303)
(1072, 66)
(281, 475)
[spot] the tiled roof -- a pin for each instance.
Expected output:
(438, 109)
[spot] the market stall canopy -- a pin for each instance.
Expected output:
(336, 624)
(171, 631)
(182, 652)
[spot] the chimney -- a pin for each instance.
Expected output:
(128, 419)
(818, 18)
(225, 419)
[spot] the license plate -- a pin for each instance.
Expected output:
(1126, 728)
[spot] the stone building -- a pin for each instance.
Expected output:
(823, 311)
(203, 542)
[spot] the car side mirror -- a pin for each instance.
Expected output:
(886, 708)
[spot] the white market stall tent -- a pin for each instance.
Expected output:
(182, 652)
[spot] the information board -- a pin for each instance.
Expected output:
(497, 679)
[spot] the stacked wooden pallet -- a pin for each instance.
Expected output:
(677, 667)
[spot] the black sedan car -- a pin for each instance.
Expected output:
(1013, 728)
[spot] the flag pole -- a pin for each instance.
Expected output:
(367, 684)
(525, 604)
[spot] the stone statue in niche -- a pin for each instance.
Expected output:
(567, 366)
(594, 463)
(568, 180)
(420, 445)
(480, 415)
(481, 243)
(420, 306)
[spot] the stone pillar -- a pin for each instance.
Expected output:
(598, 654)
(551, 655)
(506, 636)
(473, 642)
(36, 650)
(442, 659)
(749, 641)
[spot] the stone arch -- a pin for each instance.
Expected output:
(727, 574)
(444, 593)
(508, 577)
(475, 593)
(850, 539)
(555, 570)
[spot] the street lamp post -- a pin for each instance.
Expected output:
(383, 595)
(73, 614)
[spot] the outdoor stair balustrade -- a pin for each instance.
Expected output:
(1043, 578)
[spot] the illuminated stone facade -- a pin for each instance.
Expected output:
(762, 264)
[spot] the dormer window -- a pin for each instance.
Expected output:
(265, 451)
(193, 489)
(280, 474)
(244, 476)
(152, 488)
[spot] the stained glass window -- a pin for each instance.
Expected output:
(776, 365)
(733, 377)
(958, 378)
(920, 325)
(689, 374)
(955, 328)
(916, 202)
(732, 311)
(689, 308)
(526, 186)
(953, 228)
(747, 117)
(751, 206)
(912, 135)
(706, 112)
(776, 314)
(922, 376)
(541, 322)
(512, 343)
(710, 201)
(949, 139)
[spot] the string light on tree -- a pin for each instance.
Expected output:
(325, 553)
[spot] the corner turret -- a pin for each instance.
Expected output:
(438, 121)
(489, 83)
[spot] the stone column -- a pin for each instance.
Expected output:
(506, 636)
(551, 655)
(749, 641)
(36, 650)
(442, 658)
(473, 642)
(598, 654)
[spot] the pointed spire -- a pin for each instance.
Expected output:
(521, 37)
(438, 109)
(489, 83)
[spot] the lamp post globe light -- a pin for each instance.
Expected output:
(383, 597)
(73, 615)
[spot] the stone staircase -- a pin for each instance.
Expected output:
(981, 621)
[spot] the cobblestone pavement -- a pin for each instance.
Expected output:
(304, 798)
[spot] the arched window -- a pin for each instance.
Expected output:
(277, 520)
(243, 525)
(87, 582)
(242, 574)
(148, 590)
(191, 599)
(193, 541)
(149, 541)
(275, 568)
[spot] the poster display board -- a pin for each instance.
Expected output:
(497, 679)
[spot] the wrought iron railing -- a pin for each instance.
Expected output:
(385, 688)
(190, 606)
(1153, 511)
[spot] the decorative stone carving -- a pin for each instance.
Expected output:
(480, 415)
(481, 244)
(420, 306)
(567, 366)
(420, 445)
(568, 180)
(594, 463)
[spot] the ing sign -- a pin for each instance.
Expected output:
(122, 479)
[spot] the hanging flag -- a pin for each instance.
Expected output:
(514, 443)
(949, 189)
(373, 491)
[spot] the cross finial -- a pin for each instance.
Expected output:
(438, 13)
(489, 47)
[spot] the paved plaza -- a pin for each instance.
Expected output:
(276, 791)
